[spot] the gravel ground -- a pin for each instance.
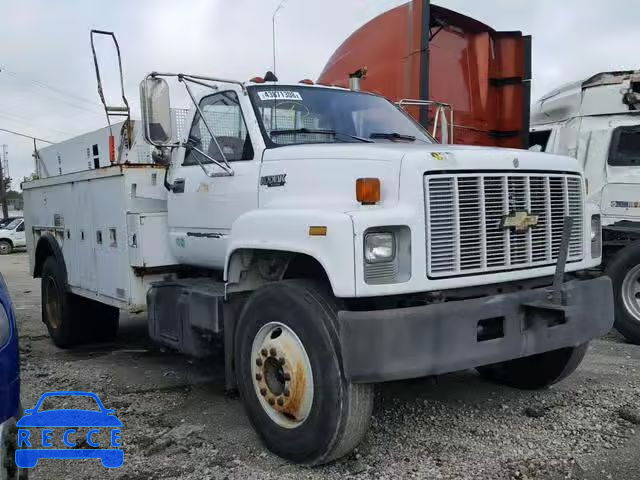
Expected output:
(179, 424)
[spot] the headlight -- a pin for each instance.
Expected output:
(379, 247)
(596, 236)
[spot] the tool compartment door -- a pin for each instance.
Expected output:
(147, 240)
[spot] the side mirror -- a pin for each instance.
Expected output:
(156, 111)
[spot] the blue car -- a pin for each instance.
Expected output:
(9, 387)
(31, 448)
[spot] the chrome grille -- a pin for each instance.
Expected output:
(465, 214)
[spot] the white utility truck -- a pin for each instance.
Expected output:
(597, 121)
(332, 244)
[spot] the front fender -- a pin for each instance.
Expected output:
(288, 231)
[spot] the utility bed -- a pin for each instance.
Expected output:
(109, 221)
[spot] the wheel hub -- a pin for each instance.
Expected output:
(282, 376)
(631, 292)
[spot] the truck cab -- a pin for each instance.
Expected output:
(597, 122)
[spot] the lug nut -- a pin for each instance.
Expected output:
(287, 376)
(258, 377)
(263, 392)
(280, 401)
(272, 401)
(264, 352)
(287, 392)
(259, 362)
(282, 361)
(273, 352)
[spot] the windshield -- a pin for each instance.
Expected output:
(293, 115)
(13, 224)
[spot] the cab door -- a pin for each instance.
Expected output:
(18, 237)
(203, 206)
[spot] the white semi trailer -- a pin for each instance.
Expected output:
(597, 121)
(332, 244)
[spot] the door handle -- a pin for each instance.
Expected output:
(178, 185)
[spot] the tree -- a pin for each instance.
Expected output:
(30, 178)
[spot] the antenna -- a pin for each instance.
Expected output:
(275, 13)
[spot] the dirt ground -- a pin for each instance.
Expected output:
(178, 423)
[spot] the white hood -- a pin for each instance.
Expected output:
(326, 174)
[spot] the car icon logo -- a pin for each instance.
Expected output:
(69, 428)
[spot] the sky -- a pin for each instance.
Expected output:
(47, 79)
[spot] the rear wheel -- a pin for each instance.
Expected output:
(537, 371)
(72, 319)
(289, 373)
(57, 305)
(624, 271)
(5, 247)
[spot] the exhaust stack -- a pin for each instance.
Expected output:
(355, 79)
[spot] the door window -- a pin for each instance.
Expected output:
(223, 116)
(20, 228)
(625, 147)
(539, 139)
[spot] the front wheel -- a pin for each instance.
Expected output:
(289, 373)
(5, 247)
(537, 371)
(624, 271)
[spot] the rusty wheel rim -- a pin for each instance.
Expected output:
(282, 376)
(52, 305)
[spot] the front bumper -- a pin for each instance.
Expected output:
(385, 345)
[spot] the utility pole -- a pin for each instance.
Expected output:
(4, 163)
(273, 19)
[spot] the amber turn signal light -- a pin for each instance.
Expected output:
(368, 190)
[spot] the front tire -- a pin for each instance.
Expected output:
(289, 374)
(537, 371)
(624, 271)
(5, 247)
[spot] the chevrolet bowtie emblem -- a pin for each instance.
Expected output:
(519, 221)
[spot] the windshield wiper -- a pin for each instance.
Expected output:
(394, 136)
(312, 131)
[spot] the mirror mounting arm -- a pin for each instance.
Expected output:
(228, 171)
(227, 168)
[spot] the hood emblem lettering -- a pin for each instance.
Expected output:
(274, 180)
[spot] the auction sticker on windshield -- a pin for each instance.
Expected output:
(265, 95)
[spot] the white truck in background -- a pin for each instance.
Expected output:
(12, 236)
(597, 121)
(332, 244)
